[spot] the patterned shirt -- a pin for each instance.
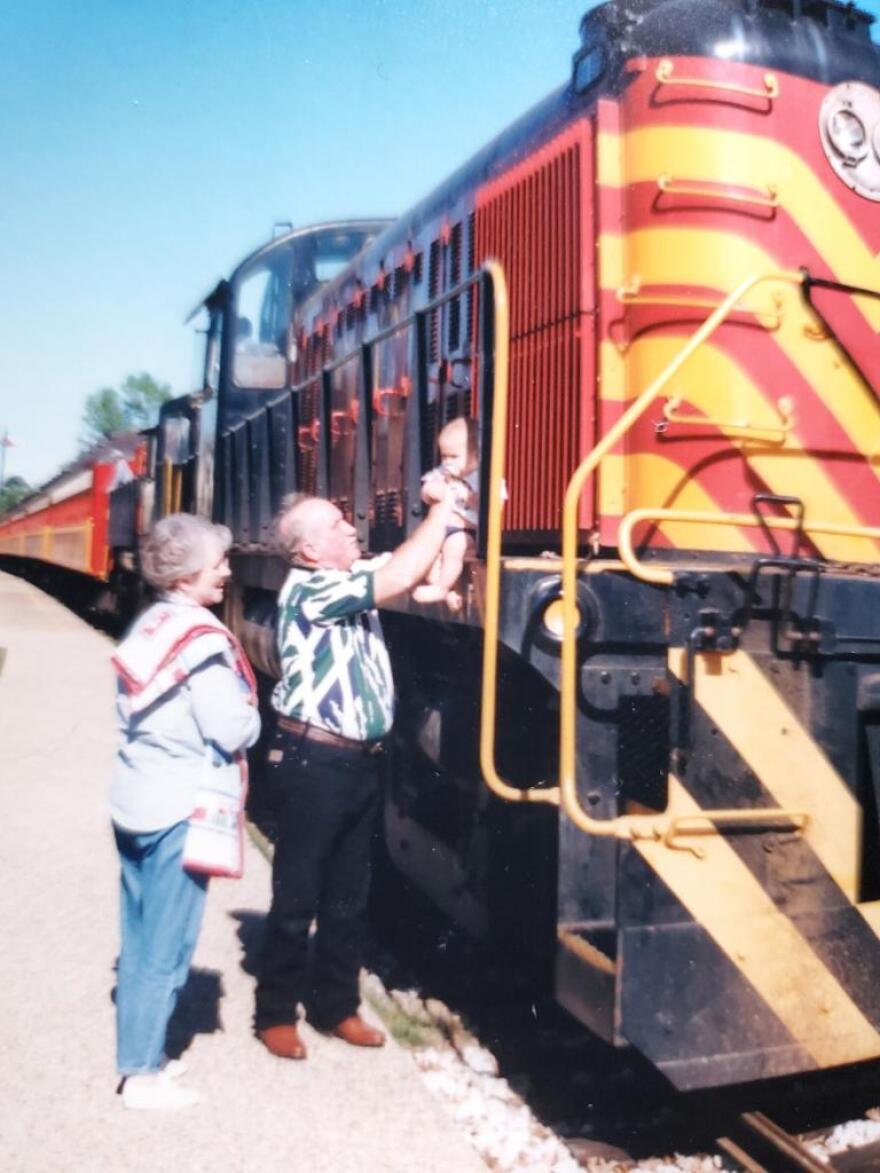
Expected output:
(335, 671)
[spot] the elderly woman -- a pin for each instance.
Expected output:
(185, 689)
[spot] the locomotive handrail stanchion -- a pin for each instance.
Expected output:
(665, 576)
(488, 700)
(623, 826)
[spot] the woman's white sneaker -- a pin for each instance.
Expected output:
(174, 1069)
(157, 1093)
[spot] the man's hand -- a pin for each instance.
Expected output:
(411, 561)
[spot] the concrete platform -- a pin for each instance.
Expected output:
(342, 1110)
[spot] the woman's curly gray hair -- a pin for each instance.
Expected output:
(178, 547)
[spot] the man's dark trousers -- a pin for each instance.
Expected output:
(326, 802)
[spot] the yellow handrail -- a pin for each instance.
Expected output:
(624, 826)
(742, 429)
(665, 75)
(167, 487)
(668, 185)
(488, 702)
(665, 576)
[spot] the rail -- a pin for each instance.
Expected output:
(665, 576)
(665, 827)
(489, 686)
(760, 1145)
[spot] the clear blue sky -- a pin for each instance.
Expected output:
(148, 146)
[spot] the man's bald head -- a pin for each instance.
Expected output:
(311, 531)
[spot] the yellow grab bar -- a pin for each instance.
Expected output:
(668, 185)
(624, 826)
(706, 823)
(744, 429)
(167, 487)
(665, 576)
(489, 697)
(666, 69)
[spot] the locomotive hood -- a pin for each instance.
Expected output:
(826, 40)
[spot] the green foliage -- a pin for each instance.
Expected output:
(12, 492)
(133, 405)
(103, 415)
(142, 397)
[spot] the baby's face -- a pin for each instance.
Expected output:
(454, 455)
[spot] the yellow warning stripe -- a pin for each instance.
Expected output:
(714, 383)
(666, 256)
(739, 699)
(708, 154)
(672, 485)
(723, 896)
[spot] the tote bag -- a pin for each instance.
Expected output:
(214, 844)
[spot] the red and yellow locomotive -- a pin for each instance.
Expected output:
(658, 292)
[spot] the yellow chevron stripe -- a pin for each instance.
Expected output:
(713, 382)
(724, 897)
(667, 483)
(769, 737)
(703, 154)
(665, 256)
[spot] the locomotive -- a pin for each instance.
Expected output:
(647, 747)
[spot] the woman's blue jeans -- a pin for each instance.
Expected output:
(161, 914)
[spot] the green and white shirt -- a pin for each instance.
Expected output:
(335, 671)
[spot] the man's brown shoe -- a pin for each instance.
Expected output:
(355, 1031)
(283, 1041)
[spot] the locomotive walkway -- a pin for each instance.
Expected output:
(344, 1109)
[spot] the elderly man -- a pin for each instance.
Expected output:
(335, 702)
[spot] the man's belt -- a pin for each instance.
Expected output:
(325, 737)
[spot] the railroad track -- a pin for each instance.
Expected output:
(759, 1145)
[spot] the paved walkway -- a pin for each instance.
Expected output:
(343, 1110)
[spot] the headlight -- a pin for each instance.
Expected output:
(848, 135)
(849, 126)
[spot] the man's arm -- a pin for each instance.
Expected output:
(411, 561)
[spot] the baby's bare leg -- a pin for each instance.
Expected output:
(445, 572)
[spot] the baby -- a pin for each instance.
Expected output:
(458, 473)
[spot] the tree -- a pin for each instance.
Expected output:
(133, 405)
(142, 397)
(12, 492)
(103, 415)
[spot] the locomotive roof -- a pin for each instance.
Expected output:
(826, 40)
(375, 223)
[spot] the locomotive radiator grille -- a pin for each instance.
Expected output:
(537, 221)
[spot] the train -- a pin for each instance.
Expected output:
(646, 750)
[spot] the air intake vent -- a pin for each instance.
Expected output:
(536, 220)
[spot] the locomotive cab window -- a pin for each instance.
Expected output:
(262, 312)
(334, 250)
(589, 65)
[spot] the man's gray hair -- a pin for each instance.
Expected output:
(291, 524)
(178, 547)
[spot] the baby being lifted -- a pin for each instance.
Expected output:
(458, 473)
